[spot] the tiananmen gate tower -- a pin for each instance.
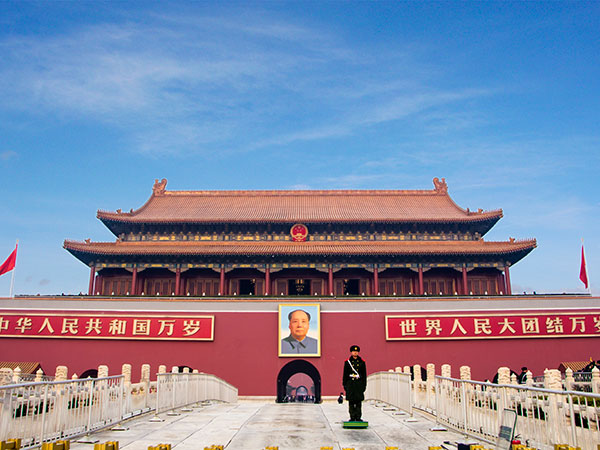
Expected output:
(211, 280)
(389, 243)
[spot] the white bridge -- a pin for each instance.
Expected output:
(48, 411)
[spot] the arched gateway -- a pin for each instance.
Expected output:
(291, 369)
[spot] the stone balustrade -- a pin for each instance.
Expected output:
(553, 378)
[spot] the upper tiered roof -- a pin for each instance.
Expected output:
(276, 206)
(511, 251)
(429, 212)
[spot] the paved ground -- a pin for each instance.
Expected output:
(253, 425)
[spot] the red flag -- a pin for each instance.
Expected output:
(583, 270)
(9, 264)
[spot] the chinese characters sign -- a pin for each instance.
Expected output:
(492, 326)
(107, 326)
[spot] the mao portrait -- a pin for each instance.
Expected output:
(299, 330)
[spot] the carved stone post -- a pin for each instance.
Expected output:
(126, 371)
(569, 379)
(529, 378)
(553, 381)
(145, 381)
(145, 375)
(5, 376)
(503, 375)
(61, 373)
(447, 370)
(465, 372)
(596, 380)
(417, 373)
(417, 385)
(16, 375)
(431, 385)
(430, 373)
(102, 371)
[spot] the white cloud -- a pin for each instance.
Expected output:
(175, 85)
(299, 187)
(7, 154)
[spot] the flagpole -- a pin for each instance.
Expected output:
(12, 278)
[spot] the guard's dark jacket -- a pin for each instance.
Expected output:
(355, 386)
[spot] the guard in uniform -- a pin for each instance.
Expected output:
(355, 383)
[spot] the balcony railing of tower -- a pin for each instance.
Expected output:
(554, 414)
(41, 412)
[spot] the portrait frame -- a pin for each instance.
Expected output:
(287, 346)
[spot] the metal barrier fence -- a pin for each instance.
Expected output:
(391, 387)
(544, 417)
(423, 395)
(45, 412)
(38, 412)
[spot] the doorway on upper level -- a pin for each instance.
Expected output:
(299, 286)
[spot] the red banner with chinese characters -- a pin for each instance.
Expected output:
(107, 326)
(492, 326)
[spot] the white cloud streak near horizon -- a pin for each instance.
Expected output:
(176, 86)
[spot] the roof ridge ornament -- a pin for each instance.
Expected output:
(159, 187)
(440, 186)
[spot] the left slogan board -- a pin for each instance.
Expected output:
(106, 325)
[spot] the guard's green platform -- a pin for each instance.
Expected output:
(352, 424)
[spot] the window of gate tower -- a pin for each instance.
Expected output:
(299, 287)
(352, 287)
(247, 287)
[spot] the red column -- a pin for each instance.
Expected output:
(134, 281)
(330, 281)
(182, 286)
(177, 280)
(375, 289)
(267, 280)
(99, 285)
(92, 278)
(222, 282)
(421, 289)
(465, 285)
(507, 280)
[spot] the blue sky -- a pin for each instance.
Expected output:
(101, 98)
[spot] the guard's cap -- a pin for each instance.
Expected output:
(355, 348)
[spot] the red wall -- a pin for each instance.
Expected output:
(244, 351)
